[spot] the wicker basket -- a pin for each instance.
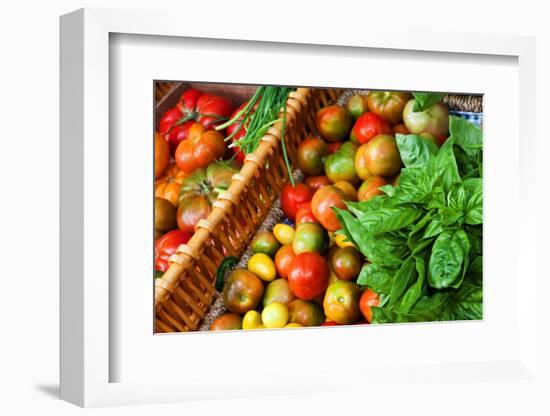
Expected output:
(185, 292)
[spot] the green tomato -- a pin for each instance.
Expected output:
(434, 120)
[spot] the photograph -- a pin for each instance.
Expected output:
(292, 207)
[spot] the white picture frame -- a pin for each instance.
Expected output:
(87, 309)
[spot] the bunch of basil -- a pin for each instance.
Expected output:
(423, 238)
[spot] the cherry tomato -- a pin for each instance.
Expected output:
(293, 196)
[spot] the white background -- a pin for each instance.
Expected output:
(29, 172)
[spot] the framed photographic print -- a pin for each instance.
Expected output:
(314, 199)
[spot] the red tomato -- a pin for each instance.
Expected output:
(167, 245)
(308, 275)
(304, 214)
(293, 196)
(369, 125)
(329, 323)
(194, 106)
(200, 149)
(322, 203)
(369, 298)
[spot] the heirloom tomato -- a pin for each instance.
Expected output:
(388, 104)
(316, 182)
(341, 302)
(346, 262)
(242, 291)
(311, 155)
(162, 155)
(305, 313)
(227, 322)
(201, 148)
(339, 166)
(304, 214)
(333, 123)
(434, 120)
(310, 236)
(308, 275)
(370, 188)
(283, 258)
(368, 299)
(322, 203)
(382, 156)
(165, 215)
(169, 185)
(357, 105)
(278, 291)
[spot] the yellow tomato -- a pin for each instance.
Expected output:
(293, 325)
(342, 241)
(284, 233)
(252, 320)
(275, 315)
(262, 266)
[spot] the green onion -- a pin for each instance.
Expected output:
(261, 112)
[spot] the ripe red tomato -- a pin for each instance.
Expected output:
(304, 214)
(167, 245)
(200, 149)
(294, 196)
(369, 125)
(368, 299)
(308, 275)
(173, 132)
(322, 203)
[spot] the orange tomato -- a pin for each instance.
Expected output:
(368, 299)
(162, 155)
(169, 186)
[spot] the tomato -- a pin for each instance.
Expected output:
(430, 137)
(162, 155)
(199, 191)
(242, 291)
(284, 233)
(346, 262)
(172, 130)
(370, 188)
(265, 242)
(368, 126)
(369, 298)
(382, 156)
(360, 163)
(283, 258)
(400, 129)
(329, 323)
(193, 106)
(275, 315)
(305, 313)
(227, 322)
(348, 189)
(166, 246)
(339, 166)
(165, 215)
(308, 275)
(293, 196)
(262, 266)
(388, 104)
(278, 291)
(304, 214)
(322, 203)
(310, 236)
(252, 320)
(434, 120)
(201, 148)
(341, 302)
(169, 185)
(357, 105)
(316, 182)
(333, 123)
(312, 152)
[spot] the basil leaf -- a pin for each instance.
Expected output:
(388, 189)
(462, 238)
(474, 205)
(466, 303)
(402, 280)
(415, 291)
(376, 277)
(445, 261)
(414, 150)
(444, 166)
(434, 228)
(466, 135)
(428, 308)
(389, 219)
(425, 100)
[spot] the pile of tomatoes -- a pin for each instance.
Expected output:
(193, 164)
(302, 272)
